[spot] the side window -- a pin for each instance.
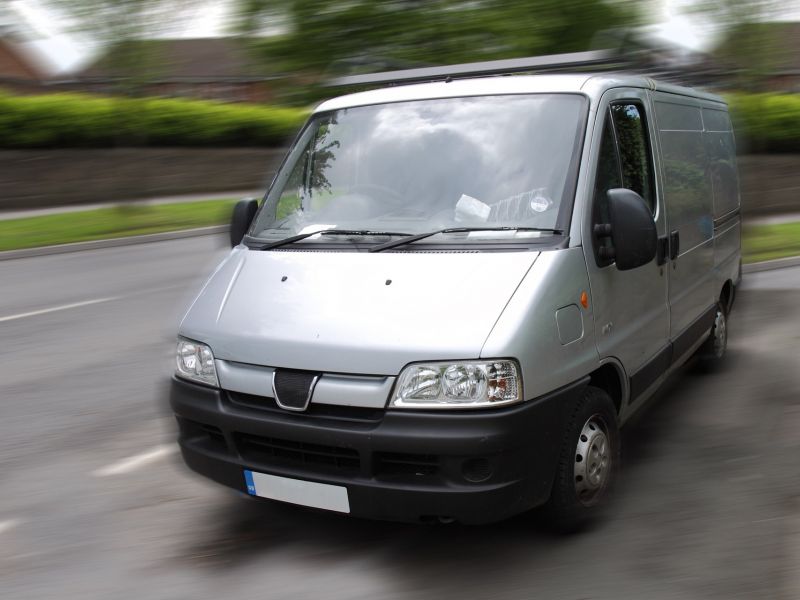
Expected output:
(608, 177)
(624, 161)
(634, 152)
(290, 200)
(307, 187)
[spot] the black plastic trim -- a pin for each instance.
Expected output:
(666, 357)
(693, 332)
(662, 250)
(652, 370)
(520, 443)
(583, 60)
(674, 244)
(724, 219)
(554, 242)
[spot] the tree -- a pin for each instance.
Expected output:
(752, 40)
(322, 32)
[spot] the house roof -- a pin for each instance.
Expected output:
(21, 60)
(167, 60)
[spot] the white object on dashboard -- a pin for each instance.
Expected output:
(314, 228)
(471, 209)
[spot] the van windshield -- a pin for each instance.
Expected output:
(411, 167)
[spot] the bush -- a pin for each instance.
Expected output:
(84, 121)
(763, 122)
(766, 122)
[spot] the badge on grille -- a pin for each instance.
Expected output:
(293, 389)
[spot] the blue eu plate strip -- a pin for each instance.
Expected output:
(248, 479)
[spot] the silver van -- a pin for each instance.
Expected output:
(455, 292)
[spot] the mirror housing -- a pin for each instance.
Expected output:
(243, 213)
(632, 230)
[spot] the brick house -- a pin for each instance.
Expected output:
(21, 69)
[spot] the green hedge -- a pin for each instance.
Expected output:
(766, 122)
(763, 122)
(77, 120)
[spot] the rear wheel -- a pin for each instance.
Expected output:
(588, 462)
(713, 350)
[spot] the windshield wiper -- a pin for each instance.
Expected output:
(302, 236)
(422, 236)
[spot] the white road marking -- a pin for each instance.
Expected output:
(6, 525)
(127, 465)
(44, 311)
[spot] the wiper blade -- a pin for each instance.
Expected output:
(302, 236)
(422, 236)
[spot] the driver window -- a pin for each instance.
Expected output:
(608, 177)
(630, 129)
(624, 161)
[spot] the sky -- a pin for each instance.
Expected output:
(67, 50)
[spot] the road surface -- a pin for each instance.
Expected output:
(95, 503)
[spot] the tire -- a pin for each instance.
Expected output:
(588, 463)
(713, 350)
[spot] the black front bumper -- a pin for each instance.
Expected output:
(471, 466)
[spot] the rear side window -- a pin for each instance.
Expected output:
(721, 152)
(687, 181)
(716, 120)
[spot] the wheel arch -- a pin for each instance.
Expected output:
(610, 377)
(726, 295)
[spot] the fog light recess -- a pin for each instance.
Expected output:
(476, 470)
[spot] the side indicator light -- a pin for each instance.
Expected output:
(584, 300)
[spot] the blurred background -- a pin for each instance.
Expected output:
(121, 119)
(104, 102)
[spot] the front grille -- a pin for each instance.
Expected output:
(268, 450)
(293, 388)
(395, 463)
(325, 411)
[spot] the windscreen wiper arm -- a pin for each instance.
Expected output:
(302, 236)
(422, 236)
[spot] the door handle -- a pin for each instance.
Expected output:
(661, 250)
(674, 245)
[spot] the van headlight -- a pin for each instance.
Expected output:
(195, 361)
(463, 384)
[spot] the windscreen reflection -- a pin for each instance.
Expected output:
(430, 164)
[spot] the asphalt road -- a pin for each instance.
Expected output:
(94, 502)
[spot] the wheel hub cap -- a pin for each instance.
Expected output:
(720, 334)
(592, 461)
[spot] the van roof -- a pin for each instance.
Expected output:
(591, 85)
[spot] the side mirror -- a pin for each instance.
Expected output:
(242, 217)
(632, 230)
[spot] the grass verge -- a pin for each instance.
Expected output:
(104, 223)
(768, 242)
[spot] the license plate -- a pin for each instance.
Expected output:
(297, 491)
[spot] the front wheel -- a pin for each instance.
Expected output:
(588, 462)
